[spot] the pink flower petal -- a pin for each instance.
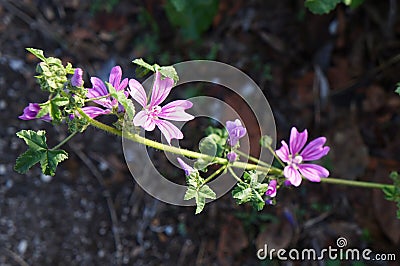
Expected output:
(292, 175)
(115, 76)
(142, 119)
(313, 172)
(297, 140)
(137, 92)
(161, 89)
(315, 150)
(98, 85)
(169, 130)
(176, 111)
(283, 152)
(94, 111)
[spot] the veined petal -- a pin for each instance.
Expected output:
(98, 85)
(176, 111)
(297, 140)
(142, 119)
(231, 125)
(315, 150)
(313, 172)
(188, 169)
(169, 130)
(115, 76)
(93, 111)
(137, 92)
(292, 175)
(161, 89)
(283, 153)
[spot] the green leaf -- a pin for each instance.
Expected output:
(51, 159)
(169, 72)
(251, 190)
(206, 146)
(200, 195)
(321, 6)
(35, 140)
(193, 19)
(398, 88)
(142, 63)
(28, 159)
(38, 152)
(44, 109)
(356, 3)
(266, 141)
(60, 101)
(37, 52)
(123, 100)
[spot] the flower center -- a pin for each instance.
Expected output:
(298, 159)
(155, 111)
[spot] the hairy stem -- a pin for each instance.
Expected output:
(196, 155)
(64, 141)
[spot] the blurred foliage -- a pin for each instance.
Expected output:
(102, 5)
(325, 6)
(192, 17)
(393, 193)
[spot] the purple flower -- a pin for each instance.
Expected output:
(31, 111)
(296, 155)
(231, 156)
(271, 190)
(153, 114)
(99, 89)
(235, 131)
(188, 170)
(76, 79)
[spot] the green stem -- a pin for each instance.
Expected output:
(222, 168)
(234, 175)
(253, 159)
(191, 154)
(364, 184)
(64, 141)
(276, 156)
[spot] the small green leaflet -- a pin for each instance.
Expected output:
(166, 71)
(398, 88)
(123, 100)
(36, 52)
(321, 6)
(206, 146)
(200, 194)
(392, 193)
(266, 141)
(38, 152)
(251, 190)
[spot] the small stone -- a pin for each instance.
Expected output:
(22, 246)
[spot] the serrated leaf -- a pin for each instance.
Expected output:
(35, 140)
(169, 72)
(123, 100)
(190, 193)
(321, 6)
(28, 159)
(37, 52)
(38, 152)
(140, 62)
(55, 112)
(51, 159)
(266, 141)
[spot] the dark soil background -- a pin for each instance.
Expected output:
(333, 74)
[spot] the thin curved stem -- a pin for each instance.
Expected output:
(64, 141)
(196, 155)
(253, 159)
(221, 169)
